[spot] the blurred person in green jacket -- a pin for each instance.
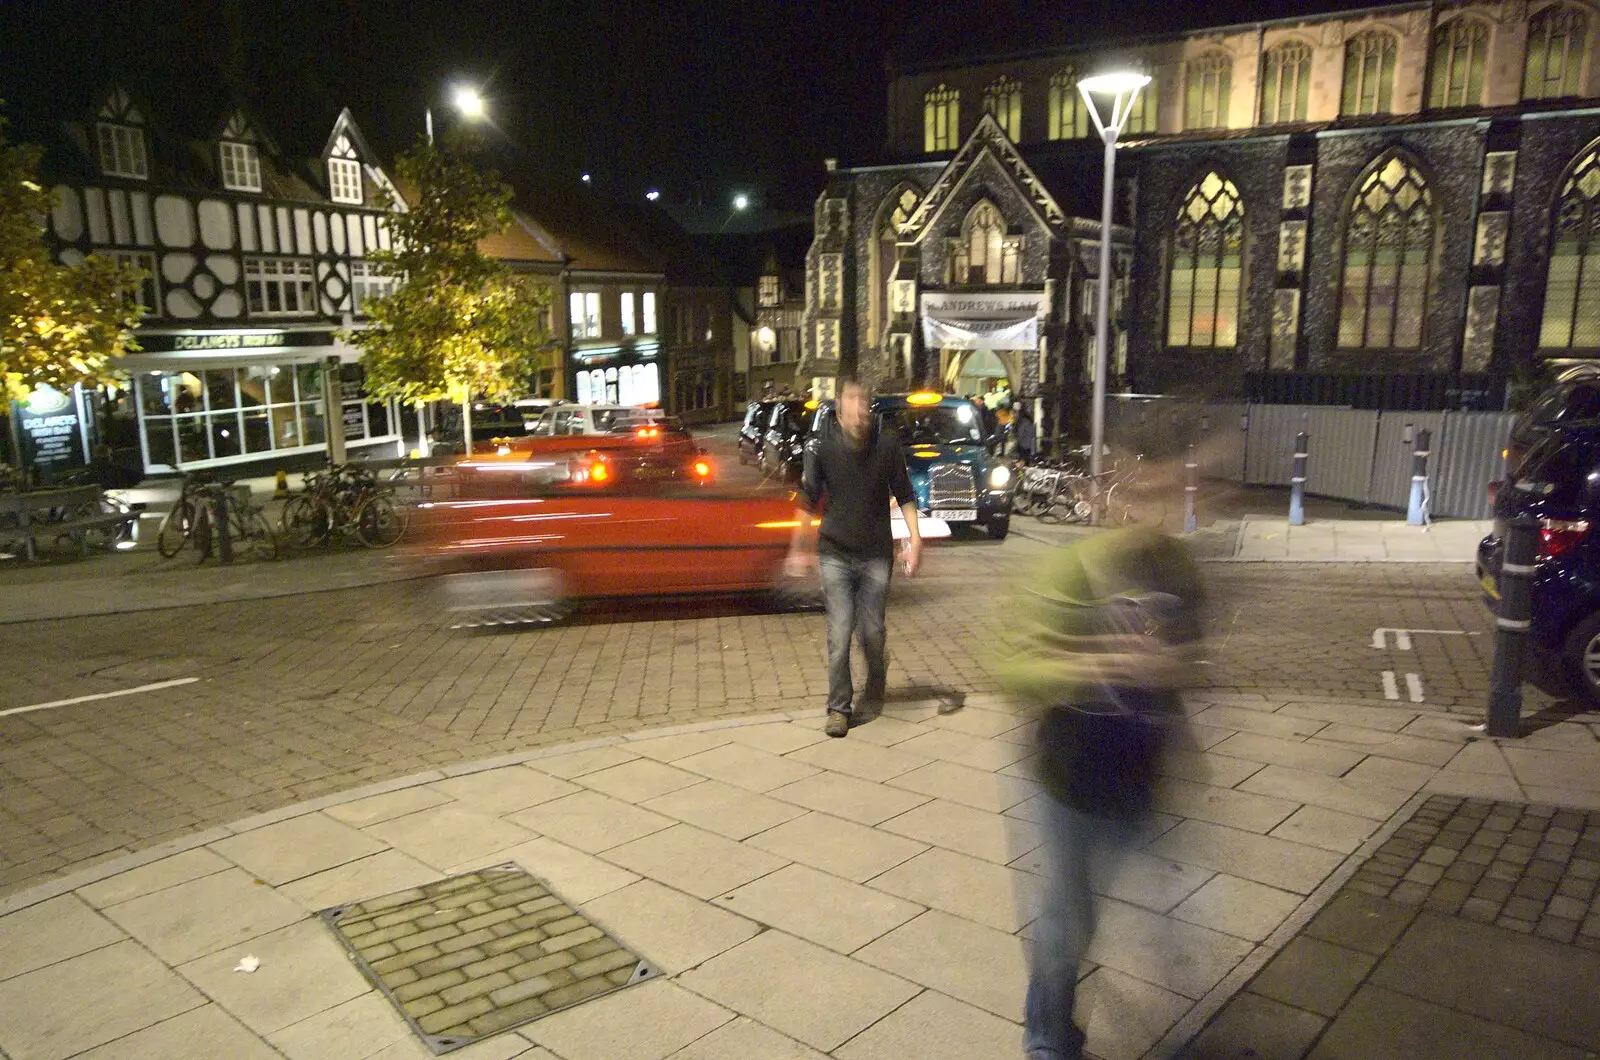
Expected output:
(1105, 635)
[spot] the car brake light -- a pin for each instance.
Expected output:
(649, 432)
(599, 473)
(1559, 536)
(702, 468)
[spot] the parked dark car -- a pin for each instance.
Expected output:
(783, 444)
(1558, 483)
(1573, 398)
(753, 431)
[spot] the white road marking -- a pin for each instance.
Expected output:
(1414, 687)
(1402, 637)
(1390, 689)
(100, 695)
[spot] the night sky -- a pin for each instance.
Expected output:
(697, 98)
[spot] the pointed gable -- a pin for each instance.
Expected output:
(988, 141)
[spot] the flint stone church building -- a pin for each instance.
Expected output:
(1398, 205)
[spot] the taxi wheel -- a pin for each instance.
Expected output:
(998, 528)
(1580, 656)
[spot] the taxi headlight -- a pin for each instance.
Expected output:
(999, 477)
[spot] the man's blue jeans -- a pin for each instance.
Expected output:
(856, 594)
(1073, 841)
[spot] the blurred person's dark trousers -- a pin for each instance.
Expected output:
(856, 593)
(1073, 841)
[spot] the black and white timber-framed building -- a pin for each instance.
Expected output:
(255, 256)
(1395, 205)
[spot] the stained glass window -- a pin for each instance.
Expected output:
(1207, 269)
(1572, 286)
(1206, 101)
(941, 118)
(1285, 82)
(1388, 259)
(1554, 65)
(1003, 99)
(1069, 118)
(1459, 50)
(1368, 74)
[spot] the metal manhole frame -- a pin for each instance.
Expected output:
(440, 1044)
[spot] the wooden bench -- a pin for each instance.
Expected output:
(44, 516)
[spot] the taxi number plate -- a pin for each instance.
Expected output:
(967, 516)
(653, 472)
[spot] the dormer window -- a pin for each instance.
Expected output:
(241, 166)
(769, 291)
(344, 172)
(122, 151)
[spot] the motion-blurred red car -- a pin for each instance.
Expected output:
(659, 451)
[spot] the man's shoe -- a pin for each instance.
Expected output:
(838, 723)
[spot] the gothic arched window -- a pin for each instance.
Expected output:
(1554, 66)
(1207, 266)
(1368, 74)
(1572, 286)
(1285, 82)
(1003, 99)
(1460, 48)
(1388, 258)
(984, 254)
(1069, 119)
(1208, 81)
(941, 118)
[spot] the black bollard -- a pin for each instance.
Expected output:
(219, 512)
(1417, 506)
(1513, 616)
(1297, 483)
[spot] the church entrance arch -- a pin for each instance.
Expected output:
(977, 371)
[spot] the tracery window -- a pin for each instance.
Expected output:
(1069, 119)
(1460, 50)
(1003, 99)
(1554, 65)
(984, 254)
(1388, 258)
(1285, 82)
(1368, 74)
(1207, 83)
(1207, 265)
(1572, 285)
(941, 118)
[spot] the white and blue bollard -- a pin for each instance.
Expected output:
(1297, 484)
(1417, 507)
(1191, 486)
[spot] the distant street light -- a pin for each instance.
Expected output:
(1123, 88)
(741, 201)
(587, 179)
(652, 195)
(468, 102)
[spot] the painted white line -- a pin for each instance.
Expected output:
(1414, 687)
(1402, 637)
(100, 695)
(1390, 689)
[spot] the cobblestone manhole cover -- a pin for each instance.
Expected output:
(477, 954)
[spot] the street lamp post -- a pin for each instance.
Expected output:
(469, 104)
(1123, 90)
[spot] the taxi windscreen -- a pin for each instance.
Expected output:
(935, 425)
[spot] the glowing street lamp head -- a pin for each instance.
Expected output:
(741, 201)
(652, 195)
(468, 102)
(1114, 83)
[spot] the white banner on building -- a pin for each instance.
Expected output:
(981, 321)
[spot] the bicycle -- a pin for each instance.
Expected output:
(177, 525)
(246, 521)
(344, 501)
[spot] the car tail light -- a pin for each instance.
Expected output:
(702, 468)
(649, 432)
(599, 472)
(1559, 536)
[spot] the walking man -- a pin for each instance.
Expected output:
(851, 477)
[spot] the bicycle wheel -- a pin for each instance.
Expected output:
(200, 532)
(254, 530)
(176, 528)
(378, 521)
(304, 523)
(1116, 509)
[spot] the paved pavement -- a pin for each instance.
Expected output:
(860, 898)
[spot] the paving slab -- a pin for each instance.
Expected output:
(820, 908)
(934, 1027)
(979, 965)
